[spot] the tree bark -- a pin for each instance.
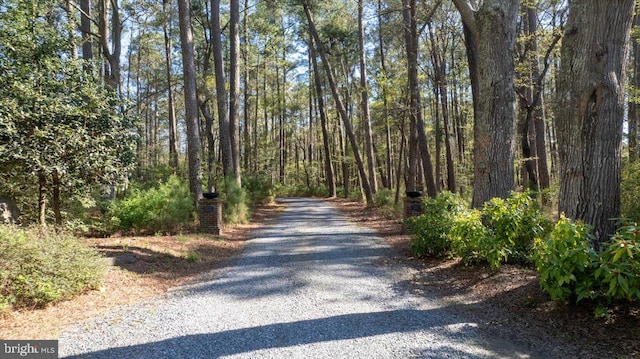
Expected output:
(190, 100)
(492, 70)
(173, 126)
(385, 99)
(415, 104)
(221, 91)
(111, 41)
(42, 198)
(364, 102)
(85, 29)
(234, 87)
(55, 198)
(246, 90)
(328, 165)
(591, 89)
(440, 70)
(634, 95)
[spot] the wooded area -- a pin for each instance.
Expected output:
(365, 98)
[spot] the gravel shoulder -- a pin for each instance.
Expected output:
(310, 284)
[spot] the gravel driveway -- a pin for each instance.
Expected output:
(310, 285)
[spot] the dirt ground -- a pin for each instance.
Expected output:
(144, 267)
(508, 302)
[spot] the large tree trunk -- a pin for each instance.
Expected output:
(364, 98)
(591, 88)
(341, 109)
(492, 70)
(190, 100)
(221, 90)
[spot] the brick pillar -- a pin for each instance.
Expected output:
(412, 206)
(210, 215)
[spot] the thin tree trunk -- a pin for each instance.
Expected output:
(190, 100)
(42, 198)
(401, 163)
(441, 84)
(221, 91)
(85, 29)
(634, 101)
(385, 100)
(211, 144)
(328, 165)
(415, 107)
(55, 202)
(341, 109)
(111, 41)
(173, 127)
(234, 87)
(364, 93)
(246, 89)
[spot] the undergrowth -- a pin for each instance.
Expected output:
(39, 266)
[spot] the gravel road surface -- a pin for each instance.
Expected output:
(310, 285)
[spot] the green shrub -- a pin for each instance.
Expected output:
(565, 261)
(630, 191)
(515, 222)
(236, 202)
(431, 229)
(619, 271)
(473, 242)
(259, 188)
(503, 231)
(384, 198)
(40, 266)
(164, 208)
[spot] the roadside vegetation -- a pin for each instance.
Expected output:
(40, 266)
(571, 264)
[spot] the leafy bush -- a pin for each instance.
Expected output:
(619, 271)
(431, 229)
(630, 191)
(515, 222)
(165, 208)
(565, 261)
(472, 241)
(39, 266)
(503, 231)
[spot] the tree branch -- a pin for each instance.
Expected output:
(467, 10)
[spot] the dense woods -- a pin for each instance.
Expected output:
(360, 98)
